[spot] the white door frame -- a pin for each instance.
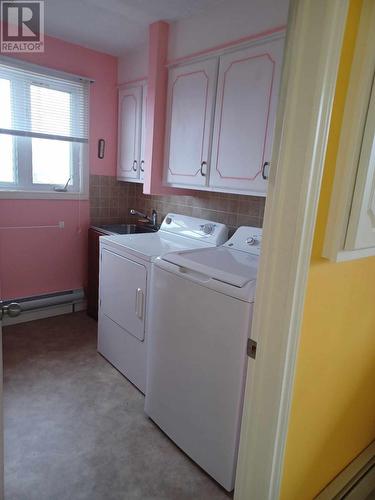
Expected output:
(313, 47)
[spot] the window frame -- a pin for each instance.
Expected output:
(22, 147)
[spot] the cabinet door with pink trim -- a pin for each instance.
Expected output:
(191, 95)
(246, 103)
(142, 164)
(129, 133)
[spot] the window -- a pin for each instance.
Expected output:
(43, 130)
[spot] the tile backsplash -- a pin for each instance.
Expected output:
(111, 200)
(108, 200)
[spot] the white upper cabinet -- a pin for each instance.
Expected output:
(242, 98)
(131, 133)
(244, 118)
(191, 94)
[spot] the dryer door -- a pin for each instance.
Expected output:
(123, 292)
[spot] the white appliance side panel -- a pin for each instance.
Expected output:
(123, 351)
(196, 370)
(123, 292)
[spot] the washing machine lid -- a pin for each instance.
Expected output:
(233, 267)
(177, 232)
(148, 246)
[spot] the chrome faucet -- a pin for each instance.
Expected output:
(153, 220)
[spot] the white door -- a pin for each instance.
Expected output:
(142, 159)
(191, 94)
(245, 112)
(129, 131)
(123, 292)
(361, 228)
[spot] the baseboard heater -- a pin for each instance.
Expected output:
(45, 305)
(48, 299)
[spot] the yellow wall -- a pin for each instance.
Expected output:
(333, 408)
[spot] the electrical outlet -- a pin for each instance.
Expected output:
(61, 224)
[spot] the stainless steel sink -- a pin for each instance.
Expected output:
(125, 228)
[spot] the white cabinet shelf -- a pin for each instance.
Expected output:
(220, 120)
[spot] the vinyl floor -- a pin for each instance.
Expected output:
(75, 427)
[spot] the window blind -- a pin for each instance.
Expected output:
(35, 104)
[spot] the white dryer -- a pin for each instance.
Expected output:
(200, 319)
(124, 281)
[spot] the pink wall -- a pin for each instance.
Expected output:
(156, 107)
(35, 261)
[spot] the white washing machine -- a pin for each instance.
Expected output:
(124, 278)
(200, 319)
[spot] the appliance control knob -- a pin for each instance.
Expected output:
(251, 241)
(168, 220)
(208, 228)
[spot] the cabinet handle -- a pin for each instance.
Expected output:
(141, 166)
(139, 303)
(264, 175)
(203, 164)
(135, 163)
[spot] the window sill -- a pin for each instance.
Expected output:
(41, 195)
